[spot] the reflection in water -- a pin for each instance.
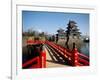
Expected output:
(84, 48)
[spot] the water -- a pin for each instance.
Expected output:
(84, 48)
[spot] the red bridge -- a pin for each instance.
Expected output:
(70, 58)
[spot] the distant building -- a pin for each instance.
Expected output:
(61, 34)
(72, 30)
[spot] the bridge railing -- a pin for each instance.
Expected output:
(74, 57)
(60, 50)
(37, 62)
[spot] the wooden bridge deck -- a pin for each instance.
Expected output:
(53, 60)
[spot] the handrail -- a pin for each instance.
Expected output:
(84, 56)
(76, 58)
(59, 48)
(40, 60)
(82, 60)
(29, 62)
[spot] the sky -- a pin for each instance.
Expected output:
(50, 22)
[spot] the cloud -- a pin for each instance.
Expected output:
(39, 30)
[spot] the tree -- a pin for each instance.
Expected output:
(60, 30)
(57, 38)
(60, 34)
(42, 34)
(53, 38)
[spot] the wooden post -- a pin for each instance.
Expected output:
(43, 59)
(75, 57)
(38, 62)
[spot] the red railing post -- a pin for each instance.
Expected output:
(43, 59)
(38, 62)
(75, 57)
